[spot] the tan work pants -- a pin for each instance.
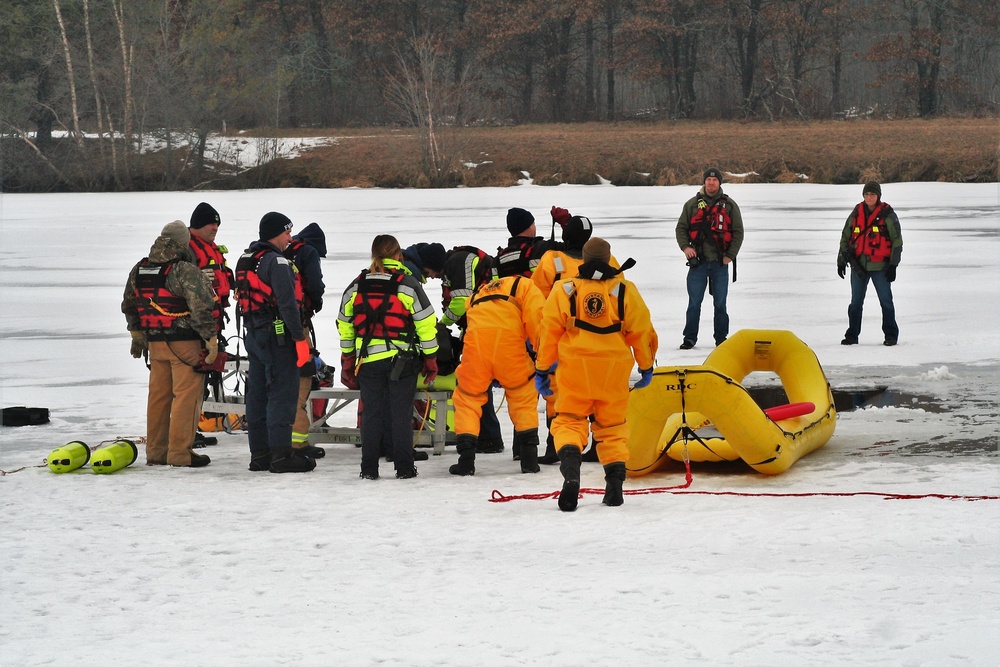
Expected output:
(173, 405)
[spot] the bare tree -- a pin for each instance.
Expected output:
(74, 111)
(422, 90)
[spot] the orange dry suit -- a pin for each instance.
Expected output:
(503, 315)
(554, 266)
(593, 325)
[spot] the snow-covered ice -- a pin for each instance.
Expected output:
(223, 566)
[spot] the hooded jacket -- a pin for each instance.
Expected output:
(186, 281)
(306, 250)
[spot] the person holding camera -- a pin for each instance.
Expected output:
(388, 334)
(709, 233)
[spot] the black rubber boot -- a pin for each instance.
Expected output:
(527, 443)
(569, 466)
(614, 476)
(260, 462)
(550, 457)
(466, 448)
(288, 460)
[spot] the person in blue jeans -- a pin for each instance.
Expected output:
(709, 233)
(872, 244)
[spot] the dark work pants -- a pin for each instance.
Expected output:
(272, 391)
(489, 425)
(381, 395)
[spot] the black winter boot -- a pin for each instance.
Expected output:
(614, 475)
(527, 443)
(466, 448)
(260, 462)
(569, 466)
(550, 457)
(291, 461)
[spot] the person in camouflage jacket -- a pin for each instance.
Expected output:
(171, 311)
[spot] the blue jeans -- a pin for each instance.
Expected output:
(272, 391)
(859, 286)
(699, 278)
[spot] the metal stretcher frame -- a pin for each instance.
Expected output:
(434, 434)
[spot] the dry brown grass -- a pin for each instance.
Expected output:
(670, 153)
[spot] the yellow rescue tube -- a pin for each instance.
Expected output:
(690, 397)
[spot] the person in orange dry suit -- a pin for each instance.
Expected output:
(592, 327)
(555, 265)
(503, 317)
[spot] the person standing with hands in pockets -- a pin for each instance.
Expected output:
(266, 299)
(709, 233)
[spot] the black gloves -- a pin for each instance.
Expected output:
(890, 273)
(841, 266)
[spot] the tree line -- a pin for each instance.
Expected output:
(125, 72)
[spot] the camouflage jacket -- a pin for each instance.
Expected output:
(185, 280)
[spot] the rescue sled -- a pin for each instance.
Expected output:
(703, 413)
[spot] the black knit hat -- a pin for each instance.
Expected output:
(577, 232)
(711, 171)
(273, 224)
(873, 186)
(203, 215)
(432, 256)
(518, 220)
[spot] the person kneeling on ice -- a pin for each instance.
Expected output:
(503, 317)
(593, 326)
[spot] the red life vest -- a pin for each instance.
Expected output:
(712, 222)
(378, 311)
(208, 256)
(869, 236)
(159, 308)
(253, 294)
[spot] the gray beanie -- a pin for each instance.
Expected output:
(177, 232)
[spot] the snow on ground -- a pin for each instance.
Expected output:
(224, 566)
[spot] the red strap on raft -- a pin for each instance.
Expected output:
(789, 410)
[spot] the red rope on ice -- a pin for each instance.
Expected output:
(497, 497)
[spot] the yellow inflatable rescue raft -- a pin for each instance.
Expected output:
(665, 418)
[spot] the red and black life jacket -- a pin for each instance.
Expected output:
(869, 235)
(253, 294)
(520, 259)
(208, 256)
(712, 222)
(378, 311)
(159, 308)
